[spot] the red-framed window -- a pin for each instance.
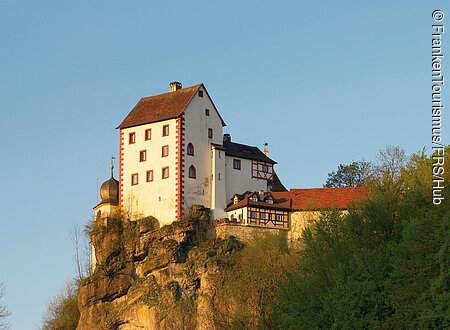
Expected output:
(206, 112)
(190, 149)
(134, 179)
(149, 175)
(165, 130)
(200, 93)
(210, 133)
(165, 172)
(132, 138)
(165, 151)
(237, 164)
(142, 155)
(148, 134)
(192, 172)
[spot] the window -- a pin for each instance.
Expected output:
(142, 155)
(132, 138)
(210, 133)
(165, 172)
(192, 172)
(262, 216)
(237, 164)
(148, 134)
(206, 112)
(270, 200)
(253, 214)
(165, 131)
(254, 198)
(134, 179)
(165, 151)
(235, 200)
(219, 176)
(200, 93)
(278, 217)
(150, 176)
(265, 168)
(190, 149)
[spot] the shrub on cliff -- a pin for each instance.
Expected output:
(62, 311)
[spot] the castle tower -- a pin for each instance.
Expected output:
(109, 192)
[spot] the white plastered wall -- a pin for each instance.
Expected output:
(199, 190)
(156, 198)
(240, 181)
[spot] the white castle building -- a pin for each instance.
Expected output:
(173, 154)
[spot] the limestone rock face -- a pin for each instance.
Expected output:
(152, 278)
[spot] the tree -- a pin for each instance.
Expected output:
(3, 310)
(62, 311)
(250, 286)
(83, 253)
(390, 161)
(351, 175)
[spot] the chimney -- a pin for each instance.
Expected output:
(226, 138)
(174, 86)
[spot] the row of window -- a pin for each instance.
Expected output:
(149, 176)
(192, 173)
(262, 216)
(165, 152)
(165, 132)
(147, 134)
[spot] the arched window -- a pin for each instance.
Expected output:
(190, 149)
(192, 172)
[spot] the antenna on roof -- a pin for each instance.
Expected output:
(265, 150)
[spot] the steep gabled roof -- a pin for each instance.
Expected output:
(162, 107)
(323, 198)
(244, 151)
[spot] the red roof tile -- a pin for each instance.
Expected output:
(322, 198)
(161, 107)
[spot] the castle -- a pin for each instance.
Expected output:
(173, 155)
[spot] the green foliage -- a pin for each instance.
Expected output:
(250, 286)
(62, 311)
(384, 265)
(351, 175)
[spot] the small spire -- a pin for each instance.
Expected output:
(265, 150)
(111, 166)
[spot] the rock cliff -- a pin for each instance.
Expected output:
(148, 277)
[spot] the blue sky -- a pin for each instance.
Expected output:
(323, 83)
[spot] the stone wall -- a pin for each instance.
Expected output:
(246, 233)
(299, 221)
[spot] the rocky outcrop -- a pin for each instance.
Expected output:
(148, 277)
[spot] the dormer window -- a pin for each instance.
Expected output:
(254, 198)
(235, 200)
(269, 200)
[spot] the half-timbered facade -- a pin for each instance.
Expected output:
(259, 209)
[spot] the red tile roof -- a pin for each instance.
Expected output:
(322, 198)
(161, 107)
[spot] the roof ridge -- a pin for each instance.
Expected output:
(185, 88)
